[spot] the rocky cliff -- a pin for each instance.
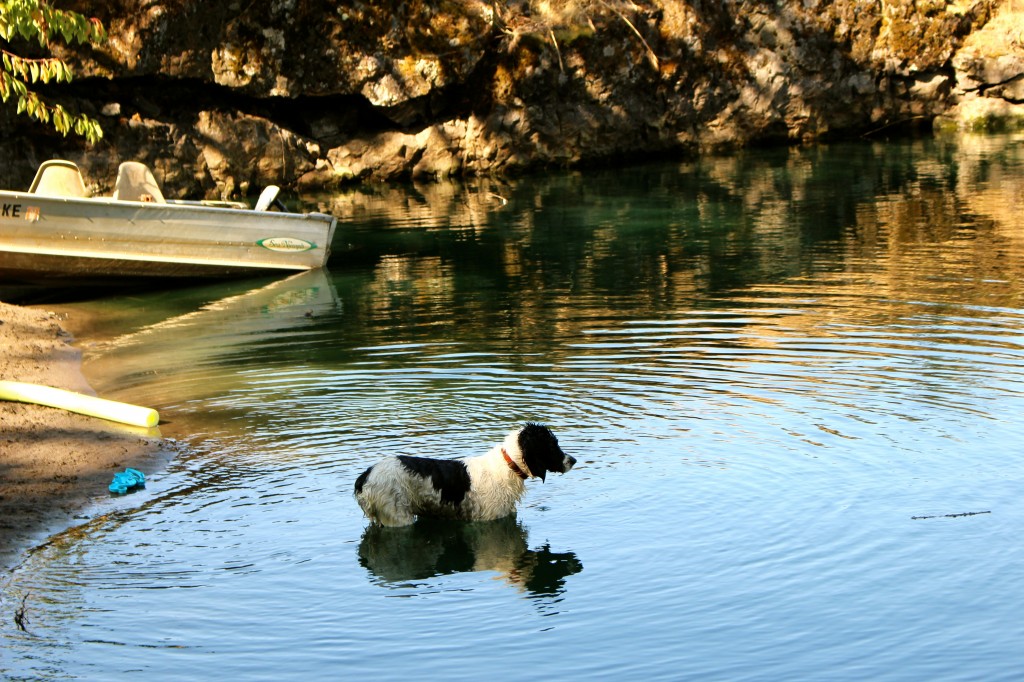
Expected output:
(221, 98)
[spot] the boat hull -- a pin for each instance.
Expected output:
(43, 236)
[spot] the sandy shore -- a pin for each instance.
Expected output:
(54, 463)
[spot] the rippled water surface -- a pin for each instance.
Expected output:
(793, 380)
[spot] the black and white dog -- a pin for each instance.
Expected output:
(396, 490)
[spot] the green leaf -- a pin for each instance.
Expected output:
(93, 132)
(66, 30)
(99, 33)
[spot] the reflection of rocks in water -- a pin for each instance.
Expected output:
(432, 547)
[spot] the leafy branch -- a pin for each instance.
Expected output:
(35, 20)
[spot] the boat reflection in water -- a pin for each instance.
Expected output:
(433, 547)
(196, 352)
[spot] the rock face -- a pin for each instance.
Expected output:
(989, 69)
(223, 97)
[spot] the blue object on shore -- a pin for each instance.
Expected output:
(126, 480)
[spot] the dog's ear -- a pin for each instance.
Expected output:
(540, 449)
(536, 466)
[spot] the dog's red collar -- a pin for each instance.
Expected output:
(513, 466)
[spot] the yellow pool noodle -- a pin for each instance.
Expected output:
(78, 402)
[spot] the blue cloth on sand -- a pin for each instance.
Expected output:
(127, 480)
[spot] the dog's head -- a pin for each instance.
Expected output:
(540, 451)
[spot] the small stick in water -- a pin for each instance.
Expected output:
(950, 516)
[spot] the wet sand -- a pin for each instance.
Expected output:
(53, 463)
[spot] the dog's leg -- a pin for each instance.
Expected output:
(385, 511)
(396, 517)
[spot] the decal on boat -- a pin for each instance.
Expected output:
(29, 213)
(286, 244)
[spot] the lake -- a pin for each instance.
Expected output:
(793, 379)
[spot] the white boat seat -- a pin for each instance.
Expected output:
(135, 182)
(58, 178)
(267, 197)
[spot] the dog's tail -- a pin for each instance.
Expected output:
(361, 481)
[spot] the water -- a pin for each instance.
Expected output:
(793, 379)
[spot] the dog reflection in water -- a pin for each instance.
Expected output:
(431, 547)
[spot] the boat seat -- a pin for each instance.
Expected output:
(58, 178)
(135, 182)
(267, 197)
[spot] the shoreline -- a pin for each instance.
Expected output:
(54, 464)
